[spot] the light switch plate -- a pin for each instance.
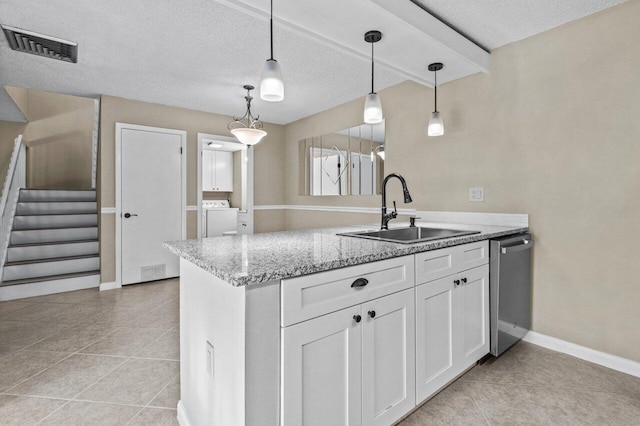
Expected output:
(476, 194)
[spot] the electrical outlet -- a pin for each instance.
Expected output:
(210, 359)
(476, 194)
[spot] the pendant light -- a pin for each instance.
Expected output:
(272, 84)
(379, 151)
(250, 133)
(372, 105)
(436, 125)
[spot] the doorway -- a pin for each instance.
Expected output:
(150, 201)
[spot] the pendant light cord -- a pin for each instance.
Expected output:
(271, 29)
(372, 65)
(435, 88)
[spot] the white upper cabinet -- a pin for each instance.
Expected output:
(217, 171)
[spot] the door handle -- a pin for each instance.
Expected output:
(526, 245)
(128, 215)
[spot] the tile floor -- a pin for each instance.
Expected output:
(111, 358)
(91, 358)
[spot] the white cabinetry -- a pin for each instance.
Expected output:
(322, 367)
(452, 312)
(217, 171)
(354, 366)
(362, 345)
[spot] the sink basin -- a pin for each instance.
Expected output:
(410, 235)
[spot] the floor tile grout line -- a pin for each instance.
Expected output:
(36, 374)
(134, 416)
(162, 390)
(51, 413)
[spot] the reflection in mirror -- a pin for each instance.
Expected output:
(346, 162)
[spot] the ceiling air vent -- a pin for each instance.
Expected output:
(41, 45)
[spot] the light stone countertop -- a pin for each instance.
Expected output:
(251, 259)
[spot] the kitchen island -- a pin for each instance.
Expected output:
(309, 327)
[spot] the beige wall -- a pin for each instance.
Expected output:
(268, 181)
(9, 131)
(59, 138)
(552, 131)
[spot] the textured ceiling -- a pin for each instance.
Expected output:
(197, 54)
(193, 54)
(494, 23)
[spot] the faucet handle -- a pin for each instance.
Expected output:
(395, 210)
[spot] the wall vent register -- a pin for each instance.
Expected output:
(41, 45)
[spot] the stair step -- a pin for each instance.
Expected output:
(50, 278)
(47, 267)
(27, 195)
(24, 252)
(35, 236)
(56, 207)
(54, 221)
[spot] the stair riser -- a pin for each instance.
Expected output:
(53, 235)
(17, 254)
(53, 221)
(56, 195)
(19, 272)
(56, 208)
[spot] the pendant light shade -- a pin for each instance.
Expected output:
(272, 84)
(372, 105)
(436, 125)
(381, 152)
(372, 109)
(250, 133)
(248, 136)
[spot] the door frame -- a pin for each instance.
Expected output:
(118, 216)
(247, 184)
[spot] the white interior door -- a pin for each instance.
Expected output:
(151, 209)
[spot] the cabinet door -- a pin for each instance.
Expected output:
(321, 371)
(473, 326)
(388, 358)
(207, 170)
(223, 170)
(436, 316)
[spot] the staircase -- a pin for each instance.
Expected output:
(53, 244)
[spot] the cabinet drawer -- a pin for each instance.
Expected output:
(472, 255)
(313, 295)
(435, 264)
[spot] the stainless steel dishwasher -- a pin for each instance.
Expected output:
(509, 290)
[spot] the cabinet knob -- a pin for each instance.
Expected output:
(360, 282)
(372, 314)
(464, 280)
(456, 282)
(357, 318)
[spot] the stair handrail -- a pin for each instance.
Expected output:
(16, 179)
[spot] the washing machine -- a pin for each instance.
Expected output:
(218, 218)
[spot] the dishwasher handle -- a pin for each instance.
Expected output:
(526, 245)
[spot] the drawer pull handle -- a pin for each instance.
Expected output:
(456, 282)
(360, 282)
(464, 281)
(357, 318)
(372, 314)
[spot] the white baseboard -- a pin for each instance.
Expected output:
(183, 419)
(109, 286)
(607, 360)
(43, 288)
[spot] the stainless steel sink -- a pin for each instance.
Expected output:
(410, 235)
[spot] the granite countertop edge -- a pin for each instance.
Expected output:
(191, 251)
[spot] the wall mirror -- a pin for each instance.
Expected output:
(346, 162)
